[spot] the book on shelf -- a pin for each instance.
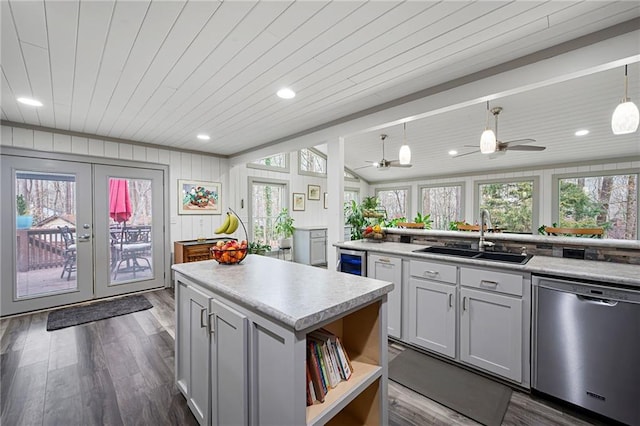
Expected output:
(339, 356)
(311, 395)
(316, 375)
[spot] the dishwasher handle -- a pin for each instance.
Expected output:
(596, 300)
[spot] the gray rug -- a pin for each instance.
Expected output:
(477, 397)
(76, 315)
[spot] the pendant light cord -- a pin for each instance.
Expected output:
(626, 85)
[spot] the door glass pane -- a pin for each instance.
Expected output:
(130, 254)
(45, 233)
(267, 202)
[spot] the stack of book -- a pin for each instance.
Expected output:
(327, 364)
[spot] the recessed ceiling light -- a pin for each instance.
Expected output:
(582, 132)
(286, 93)
(453, 152)
(204, 137)
(29, 101)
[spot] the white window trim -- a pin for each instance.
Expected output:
(535, 207)
(408, 211)
(555, 189)
(251, 180)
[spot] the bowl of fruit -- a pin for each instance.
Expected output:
(373, 233)
(229, 252)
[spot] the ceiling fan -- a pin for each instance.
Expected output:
(502, 147)
(384, 164)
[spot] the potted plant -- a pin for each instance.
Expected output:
(23, 220)
(284, 228)
(259, 248)
(353, 216)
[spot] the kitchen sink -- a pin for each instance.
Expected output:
(475, 254)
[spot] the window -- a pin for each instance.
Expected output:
(608, 201)
(268, 198)
(395, 201)
(277, 162)
(443, 203)
(349, 175)
(311, 162)
(351, 194)
(511, 204)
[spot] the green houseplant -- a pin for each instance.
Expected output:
(284, 228)
(23, 219)
(353, 216)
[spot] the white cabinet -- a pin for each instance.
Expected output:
(432, 306)
(211, 354)
(389, 268)
(310, 246)
(192, 360)
(432, 313)
(486, 326)
(491, 332)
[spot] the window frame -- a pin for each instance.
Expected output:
(462, 186)
(396, 188)
(260, 180)
(555, 190)
(285, 169)
(307, 173)
(355, 177)
(350, 189)
(535, 197)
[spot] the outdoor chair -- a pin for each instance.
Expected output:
(132, 245)
(69, 253)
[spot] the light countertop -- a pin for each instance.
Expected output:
(606, 272)
(296, 295)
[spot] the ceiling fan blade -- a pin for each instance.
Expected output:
(364, 167)
(396, 163)
(525, 148)
(517, 142)
(471, 146)
(464, 154)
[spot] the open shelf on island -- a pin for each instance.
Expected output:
(339, 397)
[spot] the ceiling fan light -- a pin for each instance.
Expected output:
(404, 156)
(488, 143)
(625, 118)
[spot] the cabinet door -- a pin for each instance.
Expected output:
(318, 251)
(193, 350)
(387, 268)
(491, 332)
(432, 316)
(229, 366)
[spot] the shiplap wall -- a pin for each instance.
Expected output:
(314, 214)
(181, 166)
(545, 178)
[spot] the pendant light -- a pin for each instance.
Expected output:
(488, 143)
(404, 156)
(626, 116)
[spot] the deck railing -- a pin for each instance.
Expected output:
(39, 248)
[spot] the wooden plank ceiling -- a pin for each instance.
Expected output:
(161, 72)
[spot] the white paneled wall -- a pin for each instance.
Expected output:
(181, 166)
(545, 178)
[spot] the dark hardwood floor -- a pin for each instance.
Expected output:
(119, 371)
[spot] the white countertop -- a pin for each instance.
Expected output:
(296, 295)
(606, 272)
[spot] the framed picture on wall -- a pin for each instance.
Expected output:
(313, 192)
(298, 201)
(199, 197)
(326, 201)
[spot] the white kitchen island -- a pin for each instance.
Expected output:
(241, 335)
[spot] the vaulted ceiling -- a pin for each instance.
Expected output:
(161, 72)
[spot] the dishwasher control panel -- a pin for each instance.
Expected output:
(591, 290)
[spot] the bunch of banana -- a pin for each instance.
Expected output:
(229, 225)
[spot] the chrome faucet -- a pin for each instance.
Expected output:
(484, 217)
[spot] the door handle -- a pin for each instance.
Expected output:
(202, 320)
(486, 283)
(431, 273)
(84, 238)
(211, 326)
(464, 303)
(384, 259)
(596, 300)
(451, 300)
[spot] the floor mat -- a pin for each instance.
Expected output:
(477, 397)
(68, 317)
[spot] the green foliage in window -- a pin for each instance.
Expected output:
(21, 205)
(510, 205)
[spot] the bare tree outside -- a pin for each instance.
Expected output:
(443, 203)
(394, 201)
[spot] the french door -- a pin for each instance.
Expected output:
(60, 243)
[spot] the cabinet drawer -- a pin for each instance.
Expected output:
(500, 282)
(433, 271)
(318, 233)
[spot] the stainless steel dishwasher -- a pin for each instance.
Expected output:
(587, 346)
